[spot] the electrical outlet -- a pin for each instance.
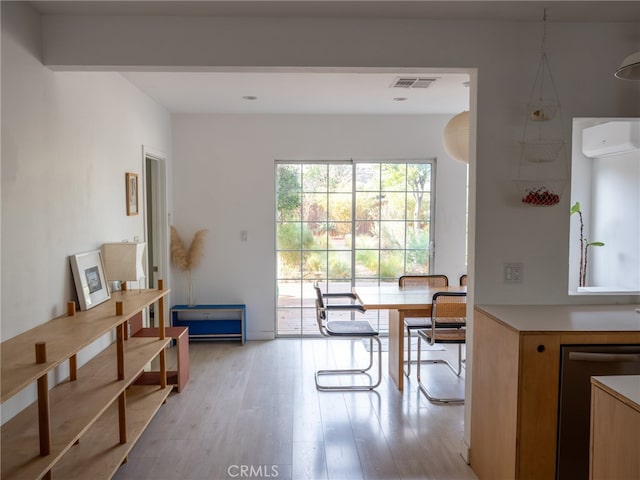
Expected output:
(512, 273)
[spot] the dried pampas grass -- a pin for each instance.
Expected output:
(182, 258)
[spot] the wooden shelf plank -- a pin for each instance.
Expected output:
(74, 407)
(64, 337)
(99, 453)
(153, 378)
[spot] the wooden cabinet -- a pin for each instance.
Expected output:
(178, 377)
(498, 402)
(516, 372)
(85, 426)
(615, 427)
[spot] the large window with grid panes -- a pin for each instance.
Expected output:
(347, 223)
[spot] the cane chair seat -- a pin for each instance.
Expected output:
(448, 326)
(412, 324)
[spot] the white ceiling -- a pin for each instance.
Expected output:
(327, 92)
(303, 92)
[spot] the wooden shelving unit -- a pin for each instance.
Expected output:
(85, 426)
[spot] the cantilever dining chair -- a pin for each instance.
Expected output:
(463, 283)
(448, 326)
(346, 329)
(411, 324)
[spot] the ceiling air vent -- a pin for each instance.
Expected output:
(412, 82)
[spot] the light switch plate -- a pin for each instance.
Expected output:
(512, 272)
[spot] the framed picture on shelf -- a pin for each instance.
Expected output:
(88, 276)
(132, 194)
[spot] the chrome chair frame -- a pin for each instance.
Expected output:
(346, 329)
(451, 331)
(418, 323)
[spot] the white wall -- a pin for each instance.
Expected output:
(582, 56)
(67, 141)
(616, 202)
(224, 181)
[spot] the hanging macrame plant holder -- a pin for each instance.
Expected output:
(543, 167)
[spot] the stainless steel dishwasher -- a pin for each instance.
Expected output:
(578, 364)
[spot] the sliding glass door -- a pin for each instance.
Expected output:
(348, 223)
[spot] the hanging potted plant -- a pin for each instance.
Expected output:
(187, 259)
(584, 247)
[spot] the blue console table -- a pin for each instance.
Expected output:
(212, 322)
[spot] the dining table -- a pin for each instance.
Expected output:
(401, 302)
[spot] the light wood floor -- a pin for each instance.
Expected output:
(254, 412)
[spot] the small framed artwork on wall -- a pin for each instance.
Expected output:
(132, 194)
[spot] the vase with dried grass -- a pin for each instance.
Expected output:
(187, 259)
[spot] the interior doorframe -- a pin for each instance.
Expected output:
(156, 186)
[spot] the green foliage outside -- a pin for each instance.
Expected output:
(339, 268)
(314, 264)
(391, 265)
(289, 189)
(292, 237)
(368, 259)
(418, 251)
(386, 264)
(320, 195)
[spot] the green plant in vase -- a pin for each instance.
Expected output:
(584, 246)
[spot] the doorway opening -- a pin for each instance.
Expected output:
(156, 220)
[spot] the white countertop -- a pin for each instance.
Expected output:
(566, 318)
(626, 386)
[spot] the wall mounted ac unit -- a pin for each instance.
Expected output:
(611, 138)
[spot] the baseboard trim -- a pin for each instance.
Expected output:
(465, 452)
(260, 336)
